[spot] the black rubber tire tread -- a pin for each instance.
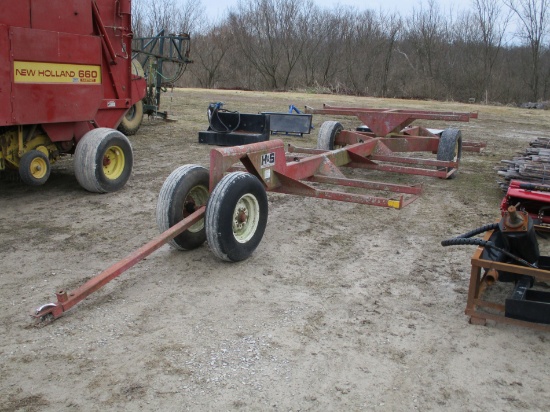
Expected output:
(327, 134)
(170, 204)
(25, 168)
(446, 150)
(363, 128)
(88, 160)
(219, 216)
(130, 123)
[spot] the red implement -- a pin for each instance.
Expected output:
(384, 122)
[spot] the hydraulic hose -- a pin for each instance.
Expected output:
(465, 239)
(213, 110)
(479, 230)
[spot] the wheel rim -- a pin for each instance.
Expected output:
(113, 162)
(38, 168)
(197, 197)
(245, 218)
(455, 157)
(131, 113)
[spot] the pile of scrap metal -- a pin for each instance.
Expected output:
(533, 165)
(527, 181)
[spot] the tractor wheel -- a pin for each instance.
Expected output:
(450, 148)
(34, 168)
(103, 160)
(327, 134)
(132, 119)
(236, 216)
(183, 192)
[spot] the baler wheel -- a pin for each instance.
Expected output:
(236, 216)
(327, 134)
(34, 168)
(103, 160)
(132, 119)
(183, 192)
(450, 148)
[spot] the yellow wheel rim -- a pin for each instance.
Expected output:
(38, 168)
(113, 162)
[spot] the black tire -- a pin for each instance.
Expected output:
(34, 168)
(327, 134)
(103, 160)
(450, 148)
(363, 128)
(236, 216)
(183, 192)
(130, 123)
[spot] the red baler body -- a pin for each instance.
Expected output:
(66, 66)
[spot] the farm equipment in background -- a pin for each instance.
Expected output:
(227, 205)
(232, 128)
(66, 83)
(532, 198)
(394, 123)
(162, 59)
(508, 253)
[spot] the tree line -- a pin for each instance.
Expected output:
(494, 51)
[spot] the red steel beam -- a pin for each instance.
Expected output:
(65, 300)
(385, 121)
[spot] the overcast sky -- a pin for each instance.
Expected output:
(216, 9)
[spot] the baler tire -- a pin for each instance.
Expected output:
(236, 216)
(130, 123)
(183, 192)
(103, 160)
(450, 148)
(34, 168)
(327, 134)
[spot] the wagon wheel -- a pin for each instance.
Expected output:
(34, 168)
(103, 160)
(450, 148)
(183, 192)
(363, 128)
(131, 121)
(327, 135)
(236, 216)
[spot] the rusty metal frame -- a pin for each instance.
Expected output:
(286, 173)
(394, 122)
(66, 300)
(292, 177)
(479, 283)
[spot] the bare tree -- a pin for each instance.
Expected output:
(268, 33)
(173, 16)
(533, 29)
(320, 59)
(210, 50)
(491, 23)
(426, 40)
(393, 24)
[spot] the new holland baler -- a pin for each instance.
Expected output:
(66, 82)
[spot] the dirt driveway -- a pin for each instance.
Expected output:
(342, 306)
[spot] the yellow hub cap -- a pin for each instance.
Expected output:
(113, 162)
(38, 168)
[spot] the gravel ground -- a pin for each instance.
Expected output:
(341, 307)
